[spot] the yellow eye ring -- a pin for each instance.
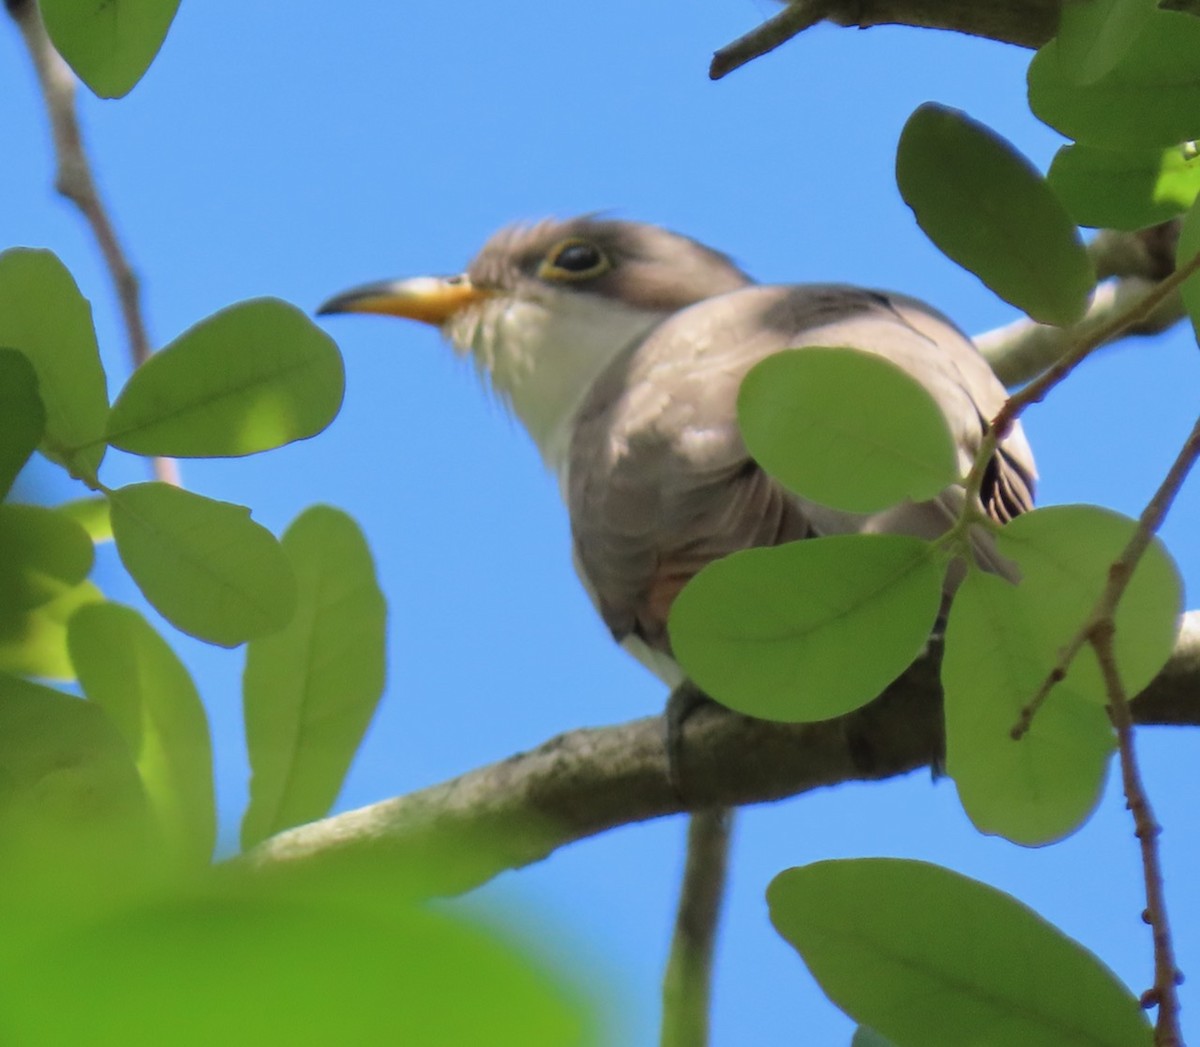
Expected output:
(573, 259)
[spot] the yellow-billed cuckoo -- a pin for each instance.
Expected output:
(620, 347)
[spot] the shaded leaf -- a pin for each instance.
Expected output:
(1128, 190)
(204, 565)
(109, 43)
(779, 633)
(43, 315)
(845, 428)
(311, 688)
(22, 416)
(989, 209)
(43, 553)
(865, 1036)
(926, 956)
(1150, 98)
(92, 515)
(1094, 36)
(127, 669)
(254, 376)
(35, 643)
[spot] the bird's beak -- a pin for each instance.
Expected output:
(430, 299)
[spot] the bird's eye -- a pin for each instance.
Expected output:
(573, 260)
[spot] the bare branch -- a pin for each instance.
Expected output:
(793, 19)
(74, 181)
(518, 811)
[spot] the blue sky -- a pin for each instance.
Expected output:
(296, 155)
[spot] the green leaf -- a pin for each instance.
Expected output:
(865, 1036)
(205, 565)
(1002, 641)
(128, 670)
(926, 956)
(22, 416)
(1187, 249)
(109, 43)
(1094, 36)
(35, 643)
(42, 554)
(845, 428)
(1044, 786)
(43, 315)
(987, 207)
(254, 376)
(311, 688)
(779, 633)
(1150, 98)
(92, 515)
(1128, 190)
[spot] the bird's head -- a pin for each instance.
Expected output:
(544, 308)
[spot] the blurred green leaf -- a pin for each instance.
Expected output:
(131, 672)
(865, 1036)
(204, 565)
(109, 43)
(989, 209)
(926, 956)
(43, 315)
(22, 416)
(1125, 190)
(1044, 786)
(779, 633)
(35, 643)
(1150, 98)
(845, 428)
(1187, 249)
(43, 553)
(1094, 36)
(254, 376)
(92, 515)
(269, 967)
(311, 688)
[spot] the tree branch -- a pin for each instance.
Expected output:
(456, 835)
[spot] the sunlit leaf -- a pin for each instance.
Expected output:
(311, 688)
(43, 315)
(204, 565)
(1128, 190)
(22, 416)
(254, 376)
(43, 553)
(779, 633)
(1150, 98)
(845, 428)
(989, 209)
(1093, 36)
(127, 669)
(34, 643)
(92, 515)
(109, 43)
(926, 956)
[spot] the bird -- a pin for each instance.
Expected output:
(620, 347)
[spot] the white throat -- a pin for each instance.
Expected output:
(542, 356)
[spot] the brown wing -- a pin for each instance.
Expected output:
(659, 481)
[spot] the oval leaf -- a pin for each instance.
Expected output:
(43, 315)
(109, 43)
(1150, 98)
(987, 207)
(254, 376)
(205, 565)
(845, 428)
(1094, 36)
(924, 955)
(311, 688)
(43, 553)
(22, 416)
(1128, 190)
(128, 670)
(779, 633)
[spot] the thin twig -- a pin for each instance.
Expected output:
(687, 984)
(1164, 992)
(1102, 615)
(74, 181)
(798, 16)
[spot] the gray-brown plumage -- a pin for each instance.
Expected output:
(621, 346)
